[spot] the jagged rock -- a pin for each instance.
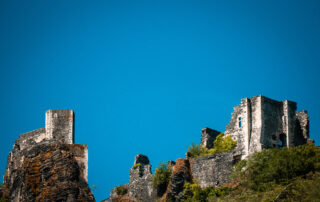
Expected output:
(180, 175)
(49, 172)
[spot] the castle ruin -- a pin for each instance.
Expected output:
(257, 123)
(45, 155)
(260, 122)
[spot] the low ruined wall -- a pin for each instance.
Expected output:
(214, 170)
(140, 185)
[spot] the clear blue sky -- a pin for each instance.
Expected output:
(146, 76)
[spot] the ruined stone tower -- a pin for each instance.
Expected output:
(40, 156)
(260, 122)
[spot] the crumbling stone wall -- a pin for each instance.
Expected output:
(302, 128)
(140, 183)
(208, 136)
(260, 122)
(214, 170)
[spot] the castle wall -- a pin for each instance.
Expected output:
(256, 124)
(208, 136)
(30, 138)
(238, 126)
(80, 153)
(140, 180)
(214, 170)
(302, 128)
(272, 123)
(60, 125)
(245, 125)
(267, 123)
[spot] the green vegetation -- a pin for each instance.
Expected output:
(161, 178)
(196, 150)
(121, 190)
(136, 165)
(221, 144)
(279, 166)
(193, 192)
(271, 175)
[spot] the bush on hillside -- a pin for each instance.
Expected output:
(221, 144)
(193, 192)
(196, 150)
(121, 190)
(279, 166)
(161, 178)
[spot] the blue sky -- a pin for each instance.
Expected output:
(146, 76)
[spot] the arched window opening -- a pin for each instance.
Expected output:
(240, 122)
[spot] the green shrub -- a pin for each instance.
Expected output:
(196, 150)
(279, 166)
(221, 144)
(193, 192)
(161, 178)
(136, 165)
(121, 190)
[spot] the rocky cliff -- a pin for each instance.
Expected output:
(48, 172)
(45, 164)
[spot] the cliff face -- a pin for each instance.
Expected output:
(48, 172)
(45, 165)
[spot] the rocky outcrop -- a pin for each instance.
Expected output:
(49, 172)
(179, 176)
(45, 165)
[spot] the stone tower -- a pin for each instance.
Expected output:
(60, 125)
(260, 122)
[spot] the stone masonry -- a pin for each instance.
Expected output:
(208, 136)
(140, 183)
(43, 147)
(214, 170)
(260, 122)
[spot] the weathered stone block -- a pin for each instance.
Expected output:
(208, 136)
